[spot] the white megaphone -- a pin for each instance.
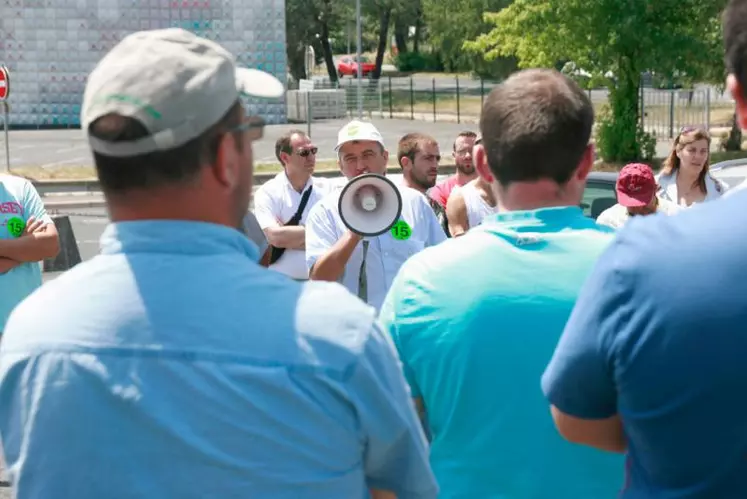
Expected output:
(370, 205)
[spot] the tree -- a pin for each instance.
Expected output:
(619, 37)
(452, 22)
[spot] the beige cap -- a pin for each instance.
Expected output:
(174, 82)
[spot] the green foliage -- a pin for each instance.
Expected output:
(418, 61)
(613, 41)
(451, 22)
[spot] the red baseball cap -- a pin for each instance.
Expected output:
(636, 185)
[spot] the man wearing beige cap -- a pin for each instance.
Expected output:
(172, 364)
(366, 266)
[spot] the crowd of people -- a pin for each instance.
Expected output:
(505, 345)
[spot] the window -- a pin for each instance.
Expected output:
(598, 196)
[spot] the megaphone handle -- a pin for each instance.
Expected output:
(362, 278)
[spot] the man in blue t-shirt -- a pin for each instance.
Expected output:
(652, 360)
(475, 319)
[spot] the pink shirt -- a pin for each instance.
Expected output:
(441, 191)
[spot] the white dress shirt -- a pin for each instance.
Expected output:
(275, 202)
(386, 254)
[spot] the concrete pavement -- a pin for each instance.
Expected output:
(60, 148)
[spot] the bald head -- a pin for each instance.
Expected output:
(536, 125)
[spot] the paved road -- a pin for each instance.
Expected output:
(60, 148)
(53, 148)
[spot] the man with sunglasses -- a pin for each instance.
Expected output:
(172, 364)
(282, 204)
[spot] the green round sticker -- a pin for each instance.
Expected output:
(401, 231)
(16, 226)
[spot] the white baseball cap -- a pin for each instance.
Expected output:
(358, 130)
(174, 82)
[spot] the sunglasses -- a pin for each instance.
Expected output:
(305, 152)
(255, 124)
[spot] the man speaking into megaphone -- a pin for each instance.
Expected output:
(362, 233)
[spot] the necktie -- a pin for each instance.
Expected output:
(362, 280)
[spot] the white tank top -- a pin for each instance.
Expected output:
(477, 208)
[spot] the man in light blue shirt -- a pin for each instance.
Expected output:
(652, 360)
(476, 318)
(172, 364)
(27, 236)
(366, 266)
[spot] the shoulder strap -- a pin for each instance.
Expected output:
(299, 212)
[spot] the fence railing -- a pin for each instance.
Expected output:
(662, 112)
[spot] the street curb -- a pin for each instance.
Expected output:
(67, 205)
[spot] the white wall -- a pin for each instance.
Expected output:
(51, 45)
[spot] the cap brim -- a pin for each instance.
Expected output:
(634, 202)
(256, 83)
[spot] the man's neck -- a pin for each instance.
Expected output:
(297, 180)
(462, 178)
(414, 185)
(181, 205)
(485, 191)
(525, 196)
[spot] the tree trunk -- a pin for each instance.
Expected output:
(327, 51)
(619, 132)
(386, 15)
(400, 35)
(734, 141)
(418, 29)
(296, 62)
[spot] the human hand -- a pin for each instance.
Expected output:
(33, 225)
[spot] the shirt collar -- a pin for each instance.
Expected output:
(183, 237)
(286, 182)
(554, 217)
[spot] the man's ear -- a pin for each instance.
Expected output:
(586, 164)
(737, 91)
(227, 164)
(284, 158)
(481, 164)
(404, 162)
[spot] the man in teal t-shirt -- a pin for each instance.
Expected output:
(476, 319)
(27, 236)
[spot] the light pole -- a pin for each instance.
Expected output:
(359, 56)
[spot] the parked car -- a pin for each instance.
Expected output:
(732, 172)
(348, 66)
(599, 194)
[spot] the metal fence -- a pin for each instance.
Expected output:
(459, 100)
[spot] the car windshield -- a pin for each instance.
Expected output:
(363, 59)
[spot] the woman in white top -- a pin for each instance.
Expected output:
(684, 178)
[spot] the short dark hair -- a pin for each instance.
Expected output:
(536, 125)
(283, 144)
(411, 144)
(735, 40)
(467, 134)
(156, 169)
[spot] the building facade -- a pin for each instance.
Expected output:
(50, 46)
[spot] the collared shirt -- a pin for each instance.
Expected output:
(617, 215)
(658, 336)
(18, 200)
(386, 254)
(475, 320)
(173, 365)
(668, 188)
(275, 202)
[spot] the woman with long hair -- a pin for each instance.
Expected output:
(685, 178)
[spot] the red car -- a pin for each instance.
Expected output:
(347, 66)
